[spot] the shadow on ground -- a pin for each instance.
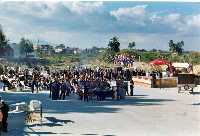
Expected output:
(16, 128)
(194, 93)
(197, 104)
(73, 105)
(52, 122)
(89, 134)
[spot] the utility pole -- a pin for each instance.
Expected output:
(139, 58)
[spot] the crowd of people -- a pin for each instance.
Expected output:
(62, 83)
(85, 82)
(124, 60)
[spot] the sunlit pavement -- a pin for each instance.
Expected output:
(151, 112)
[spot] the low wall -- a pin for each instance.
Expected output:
(142, 81)
(157, 83)
(164, 83)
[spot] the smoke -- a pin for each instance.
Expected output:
(16, 50)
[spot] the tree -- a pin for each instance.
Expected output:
(154, 50)
(5, 49)
(131, 45)
(176, 47)
(3, 40)
(26, 47)
(114, 44)
(179, 47)
(172, 46)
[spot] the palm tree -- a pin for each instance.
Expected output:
(131, 45)
(172, 46)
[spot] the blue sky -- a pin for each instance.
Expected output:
(87, 24)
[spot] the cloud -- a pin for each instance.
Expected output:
(83, 7)
(194, 21)
(175, 20)
(35, 9)
(155, 18)
(129, 12)
(135, 14)
(69, 16)
(48, 9)
(185, 24)
(94, 23)
(172, 18)
(54, 22)
(138, 18)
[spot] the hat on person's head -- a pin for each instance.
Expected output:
(1, 102)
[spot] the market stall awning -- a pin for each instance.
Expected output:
(159, 62)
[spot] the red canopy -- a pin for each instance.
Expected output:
(159, 62)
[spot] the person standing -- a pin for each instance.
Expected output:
(37, 84)
(50, 89)
(32, 85)
(1, 120)
(63, 89)
(55, 90)
(118, 92)
(126, 83)
(4, 110)
(86, 91)
(131, 87)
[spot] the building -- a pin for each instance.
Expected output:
(60, 48)
(35, 47)
(46, 49)
(76, 50)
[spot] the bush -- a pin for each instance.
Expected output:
(149, 56)
(75, 59)
(108, 56)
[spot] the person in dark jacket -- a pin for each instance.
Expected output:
(131, 87)
(50, 89)
(33, 83)
(55, 88)
(64, 90)
(4, 110)
(86, 91)
(1, 119)
(118, 93)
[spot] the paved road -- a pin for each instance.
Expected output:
(151, 112)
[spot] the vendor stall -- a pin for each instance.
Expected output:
(187, 82)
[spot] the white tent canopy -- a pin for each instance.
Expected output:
(180, 65)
